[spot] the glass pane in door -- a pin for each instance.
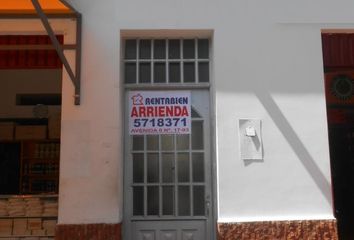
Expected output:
(183, 142)
(197, 135)
(198, 167)
(138, 167)
(198, 201)
(183, 167)
(184, 201)
(138, 201)
(168, 167)
(167, 142)
(168, 200)
(138, 143)
(152, 167)
(152, 200)
(152, 142)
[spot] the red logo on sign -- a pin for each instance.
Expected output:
(137, 99)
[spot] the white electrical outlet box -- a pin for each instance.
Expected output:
(250, 135)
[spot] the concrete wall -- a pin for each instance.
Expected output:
(275, 75)
(20, 81)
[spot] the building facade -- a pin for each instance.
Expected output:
(255, 163)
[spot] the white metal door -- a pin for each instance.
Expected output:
(168, 181)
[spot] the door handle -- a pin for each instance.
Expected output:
(207, 205)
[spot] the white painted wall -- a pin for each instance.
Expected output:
(277, 78)
(267, 64)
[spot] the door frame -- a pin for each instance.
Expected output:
(126, 234)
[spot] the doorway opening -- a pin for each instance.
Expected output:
(30, 119)
(338, 59)
(168, 165)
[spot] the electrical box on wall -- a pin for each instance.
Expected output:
(251, 145)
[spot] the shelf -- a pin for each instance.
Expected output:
(39, 166)
(16, 217)
(30, 196)
(43, 140)
(38, 170)
(41, 175)
(36, 192)
(10, 141)
(42, 158)
(20, 236)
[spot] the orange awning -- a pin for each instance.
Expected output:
(25, 7)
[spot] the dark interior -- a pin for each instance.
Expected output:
(339, 82)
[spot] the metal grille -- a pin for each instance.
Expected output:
(166, 61)
(169, 174)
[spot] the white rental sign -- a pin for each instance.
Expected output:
(159, 112)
